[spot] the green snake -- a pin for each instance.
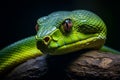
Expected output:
(58, 33)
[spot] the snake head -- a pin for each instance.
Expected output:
(68, 31)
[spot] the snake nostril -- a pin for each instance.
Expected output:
(46, 39)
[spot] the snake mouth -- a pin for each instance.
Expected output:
(90, 43)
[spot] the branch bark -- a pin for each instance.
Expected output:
(89, 65)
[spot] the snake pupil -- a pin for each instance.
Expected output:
(67, 25)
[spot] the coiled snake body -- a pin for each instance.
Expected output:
(59, 33)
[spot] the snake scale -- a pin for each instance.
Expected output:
(59, 33)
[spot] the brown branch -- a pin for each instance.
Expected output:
(89, 65)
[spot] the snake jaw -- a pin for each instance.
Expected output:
(91, 43)
(52, 47)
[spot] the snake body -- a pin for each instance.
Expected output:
(58, 33)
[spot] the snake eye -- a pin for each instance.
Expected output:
(36, 27)
(67, 25)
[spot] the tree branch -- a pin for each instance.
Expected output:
(86, 66)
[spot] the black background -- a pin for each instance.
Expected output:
(18, 18)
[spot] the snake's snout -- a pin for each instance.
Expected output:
(43, 43)
(45, 40)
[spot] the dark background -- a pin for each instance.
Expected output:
(18, 18)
